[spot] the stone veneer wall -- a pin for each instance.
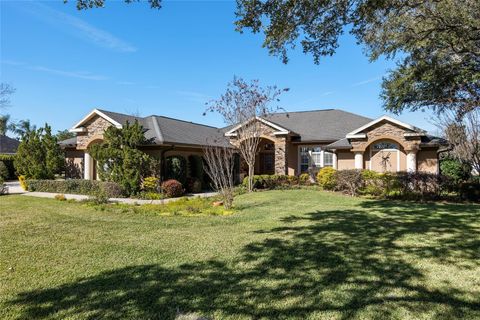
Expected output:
(386, 130)
(95, 129)
(281, 147)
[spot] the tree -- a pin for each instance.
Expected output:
(88, 4)
(464, 136)
(64, 135)
(6, 90)
(39, 155)
(438, 43)
(4, 124)
(22, 127)
(119, 159)
(241, 105)
(219, 166)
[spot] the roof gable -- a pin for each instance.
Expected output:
(358, 133)
(95, 112)
(279, 129)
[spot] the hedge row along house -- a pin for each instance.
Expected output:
(291, 142)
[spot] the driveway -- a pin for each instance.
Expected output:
(14, 187)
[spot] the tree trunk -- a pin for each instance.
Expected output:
(250, 176)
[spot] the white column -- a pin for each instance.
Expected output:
(412, 161)
(359, 160)
(322, 157)
(87, 166)
(334, 157)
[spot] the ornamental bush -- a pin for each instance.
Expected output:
(151, 184)
(8, 160)
(4, 174)
(455, 170)
(272, 181)
(193, 185)
(84, 187)
(326, 178)
(172, 188)
(349, 181)
(304, 179)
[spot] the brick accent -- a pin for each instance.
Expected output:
(281, 145)
(388, 131)
(95, 129)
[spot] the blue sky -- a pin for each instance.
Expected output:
(132, 59)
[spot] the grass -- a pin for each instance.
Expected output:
(299, 254)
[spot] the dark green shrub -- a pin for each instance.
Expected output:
(470, 191)
(421, 185)
(326, 178)
(3, 171)
(172, 188)
(455, 170)
(8, 160)
(176, 169)
(85, 187)
(273, 181)
(349, 181)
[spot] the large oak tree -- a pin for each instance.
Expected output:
(436, 43)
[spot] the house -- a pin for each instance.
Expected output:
(8, 145)
(291, 142)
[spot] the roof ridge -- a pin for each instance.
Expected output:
(303, 111)
(186, 121)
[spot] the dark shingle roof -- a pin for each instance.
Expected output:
(319, 125)
(165, 130)
(8, 145)
(339, 144)
(68, 142)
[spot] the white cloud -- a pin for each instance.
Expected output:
(72, 74)
(65, 73)
(79, 28)
(361, 83)
(195, 96)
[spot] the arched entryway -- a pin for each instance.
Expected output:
(385, 156)
(90, 166)
(265, 158)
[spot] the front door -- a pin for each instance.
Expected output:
(267, 163)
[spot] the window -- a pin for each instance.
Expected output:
(328, 159)
(310, 156)
(385, 145)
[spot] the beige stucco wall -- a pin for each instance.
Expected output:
(345, 160)
(427, 160)
(292, 160)
(74, 164)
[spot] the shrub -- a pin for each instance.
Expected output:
(23, 183)
(304, 179)
(85, 187)
(60, 197)
(172, 188)
(8, 160)
(151, 184)
(176, 169)
(455, 170)
(272, 181)
(326, 178)
(194, 185)
(373, 183)
(470, 191)
(349, 181)
(421, 185)
(3, 187)
(4, 174)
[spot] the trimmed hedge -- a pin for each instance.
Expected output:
(172, 188)
(8, 161)
(85, 187)
(273, 181)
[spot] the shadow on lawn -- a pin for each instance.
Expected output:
(331, 261)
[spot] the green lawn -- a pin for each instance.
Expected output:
(299, 254)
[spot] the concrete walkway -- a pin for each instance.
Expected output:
(14, 187)
(79, 197)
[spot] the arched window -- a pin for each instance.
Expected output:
(385, 145)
